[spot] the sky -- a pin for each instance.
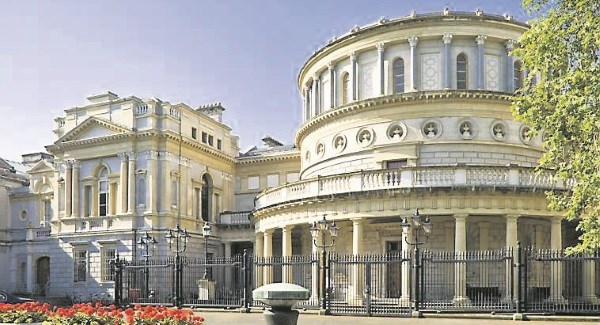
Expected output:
(245, 54)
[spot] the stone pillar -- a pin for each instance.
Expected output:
(112, 197)
(588, 278)
(332, 85)
(123, 183)
(511, 243)
(30, 273)
(447, 39)
(357, 269)
(259, 251)
(75, 190)
(268, 253)
(556, 276)
(460, 249)
(68, 182)
(484, 234)
(381, 65)
(304, 105)
(228, 274)
(413, 41)
(354, 75)
(152, 189)
(406, 266)
(131, 184)
(510, 69)
(480, 65)
(286, 252)
(315, 97)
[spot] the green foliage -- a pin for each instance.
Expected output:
(562, 52)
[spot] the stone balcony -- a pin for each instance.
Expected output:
(460, 176)
(36, 234)
(234, 219)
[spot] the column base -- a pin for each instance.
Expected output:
(461, 301)
(591, 299)
(405, 302)
(556, 300)
(416, 314)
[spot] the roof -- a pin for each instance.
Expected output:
(269, 147)
(13, 166)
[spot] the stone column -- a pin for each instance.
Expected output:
(380, 64)
(484, 234)
(268, 253)
(406, 266)
(75, 190)
(354, 75)
(304, 105)
(123, 183)
(68, 182)
(286, 250)
(357, 269)
(332, 84)
(510, 69)
(152, 189)
(259, 251)
(556, 276)
(315, 97)
(413, 41)
(588, 278)
(131, 184)
(30, 273)
(480, 65)
(316, 254)
(112, 198)
(460, 272)
(447, 39)
(228, 274)
(511, 244)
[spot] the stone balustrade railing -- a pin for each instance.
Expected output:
(234, 218)
(412, 177)
(38, 233)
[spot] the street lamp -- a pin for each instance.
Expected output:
(323, 228)
(206, 233)
(416, 224)
(144, 243)
(177, 235)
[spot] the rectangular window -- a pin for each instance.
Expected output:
(103, 204)
(219, 144)
(292, 177)
(108, 255)
(217, 204)
(87, 201)
(272, 180)
(396, 164)
(210, 140)
(194, 133)
(204, 137)
(79, 265)
(253, 182)
(47, 212)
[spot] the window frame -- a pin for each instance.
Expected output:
(398, 77)
(462, 76)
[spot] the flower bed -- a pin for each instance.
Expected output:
(95, 314)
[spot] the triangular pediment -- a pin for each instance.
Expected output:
(93, 128)
(41, 166)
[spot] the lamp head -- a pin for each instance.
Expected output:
(416, 218)
(427, 226)
(405, 224)
(206, 230)
(333, 229)
(314, 230)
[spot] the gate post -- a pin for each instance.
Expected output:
(118, 269)
(519, 278)
(368, 287)
(245, 282)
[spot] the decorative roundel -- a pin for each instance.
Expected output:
(23, 215)
(339, 143)
(431, 129)
(467, 129)
(320, 149)
(396, 131)
(525, 134)
(307, 156)
(499, 130)
(365, 137)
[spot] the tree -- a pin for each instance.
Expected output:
(560, 99)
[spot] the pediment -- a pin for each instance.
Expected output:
(41, 166)
(93, 128)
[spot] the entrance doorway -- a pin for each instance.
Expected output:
(43, 274)
(394, 270)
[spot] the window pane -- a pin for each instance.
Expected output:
(398, 76)
(461, 72)
(272, 180)
(253, 182)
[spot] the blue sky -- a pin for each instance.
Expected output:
(243, 53)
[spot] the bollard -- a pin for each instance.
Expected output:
(280, 297)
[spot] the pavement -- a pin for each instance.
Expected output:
(221, 318)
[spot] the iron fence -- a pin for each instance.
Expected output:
(505, 280)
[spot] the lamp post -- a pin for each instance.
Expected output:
(206, 234)
(416, 224)
(177, 235)
(144, 243)
(322, 227)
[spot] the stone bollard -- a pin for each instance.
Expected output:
(280, 297)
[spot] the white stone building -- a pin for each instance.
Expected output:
(401, 114)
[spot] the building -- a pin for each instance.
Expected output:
(403, 114)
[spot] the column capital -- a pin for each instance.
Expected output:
(287, 228)
(352, 56)
(511, 217)
(460, 216)
(69, 163)
(555, 221)
(357, 221)
(447, 38)
(268, 232)
(330, 66)
(122, 155)
(152, 154)
(131, 155)
(413, 41)
(381, 47)
(75, 163)
(510, 44)
(480, 39)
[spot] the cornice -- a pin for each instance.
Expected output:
(274, 158)
(200, 146)
(370, 104)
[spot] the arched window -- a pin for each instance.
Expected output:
(103, 192)
(309, 101)
(398, 76)
(518, 75)
(345, 88)
(206, 197)
(461, 71)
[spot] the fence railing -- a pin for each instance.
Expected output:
(505, 280)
